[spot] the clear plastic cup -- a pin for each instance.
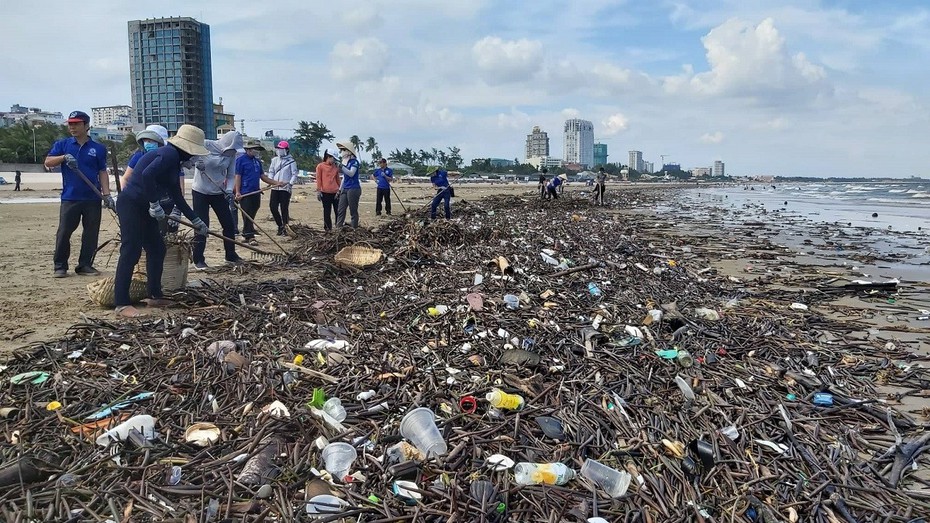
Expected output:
(419, 426)
(325, 504)
(338, 458)
(334, 408)
(614, 482)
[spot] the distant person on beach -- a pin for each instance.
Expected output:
(84, 180)
(141, 215)
(542, 183)
(18, 179)
(327, 187)
(153, 137)
(384, 175)
(350, 192)
(444, 191)
(249, 176)
(552, 188)
(213, 175)
(600, 186)
(283, 170)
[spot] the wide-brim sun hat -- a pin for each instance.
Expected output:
(252, 143)
(189, 139)
(160, 131)
(347, 145)
(563, 176)
(151, 135)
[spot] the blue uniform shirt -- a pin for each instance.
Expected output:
(350, 181)
(383, 176)
(156, 175)
(250, 169)
(136, 156)
(440, 178)
(91, 158)
(555, 182)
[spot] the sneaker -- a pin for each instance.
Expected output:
(87, 271)
(60, 273)
(201, 266)
(252, 241)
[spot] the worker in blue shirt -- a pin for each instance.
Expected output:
(153, 137)
(552, 187)
(444, 192)
(140, 214)
(384, 175)
(249, 176)
(84, 183)
(350, 192)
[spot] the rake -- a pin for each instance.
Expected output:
(260, 252)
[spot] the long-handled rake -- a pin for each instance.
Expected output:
(252, 248)
(246, 215)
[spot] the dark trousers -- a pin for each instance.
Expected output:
(542, 190)
(250, 205)
(552, 193)
(443, 195)
(348, 202)
(383, 194)
(329, 208)
(17, 186)
(280, 207)
(202, 205)
(84, 212)
(599, 193)
(138, 232)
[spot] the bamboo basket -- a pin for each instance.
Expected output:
(103, 294)
(177, 261)
(358, 256)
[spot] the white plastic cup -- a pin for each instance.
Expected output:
(334, 408)
(143, 423)
(614, 482)
(419, 426)
(338, 458)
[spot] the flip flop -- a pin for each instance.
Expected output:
(158, 303)
(128, 311)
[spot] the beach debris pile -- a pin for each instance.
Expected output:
(527, 361)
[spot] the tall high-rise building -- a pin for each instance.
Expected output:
(600, 154)
(718, 168)
(579, 142)
(537, 144)
(171, 73)
(636, 161)
(648, 167)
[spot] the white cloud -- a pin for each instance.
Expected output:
(752, 61)
(364, 58)
(716, 137)
(614, 124)
(570, 112)
(507, 60)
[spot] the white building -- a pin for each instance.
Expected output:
(103, 116)
(700, 172)
(537, 144)
(648, 167)
(636, 161)
(579, 142)
(29, 115)
(718, 169)
(540, 162)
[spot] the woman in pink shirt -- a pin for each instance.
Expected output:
(327, 185)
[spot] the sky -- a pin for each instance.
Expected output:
(779, 87)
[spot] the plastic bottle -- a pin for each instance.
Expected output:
(512, 301)
(543, 474)
(549, 259)
(502, 400)
(594, 289)
(686, 390)
(684, 358)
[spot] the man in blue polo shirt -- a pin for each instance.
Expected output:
(249, 176)
(384, 175)
(444, 192)
(80, 195)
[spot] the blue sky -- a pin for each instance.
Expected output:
(790, 87)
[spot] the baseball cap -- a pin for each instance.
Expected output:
(78, 116)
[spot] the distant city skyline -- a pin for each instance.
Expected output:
(833, 82)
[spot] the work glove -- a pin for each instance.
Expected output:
(339, 194)
(155, 211)
(319, 196)
(201, 228)
(109, 202)
(71, 162)
(200, 166)
(229, 198)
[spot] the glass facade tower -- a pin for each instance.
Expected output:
(171, 73)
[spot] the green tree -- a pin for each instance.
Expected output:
(356, 142)
(309, 136)
(371, 146)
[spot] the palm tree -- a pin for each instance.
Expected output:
(356, 142)
(371, 146)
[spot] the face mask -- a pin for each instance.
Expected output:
(345, 153)
(149, 146)
(280, 152)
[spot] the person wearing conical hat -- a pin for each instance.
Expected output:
(141, 215)
(153, 137)
(553, 186)
(350, 192)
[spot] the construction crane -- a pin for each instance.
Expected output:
(243, 120)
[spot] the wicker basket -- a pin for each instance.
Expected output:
(358, 256)
(174, 275)
(102, 292)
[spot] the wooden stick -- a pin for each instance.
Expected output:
(220, 236)
(575, 269)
